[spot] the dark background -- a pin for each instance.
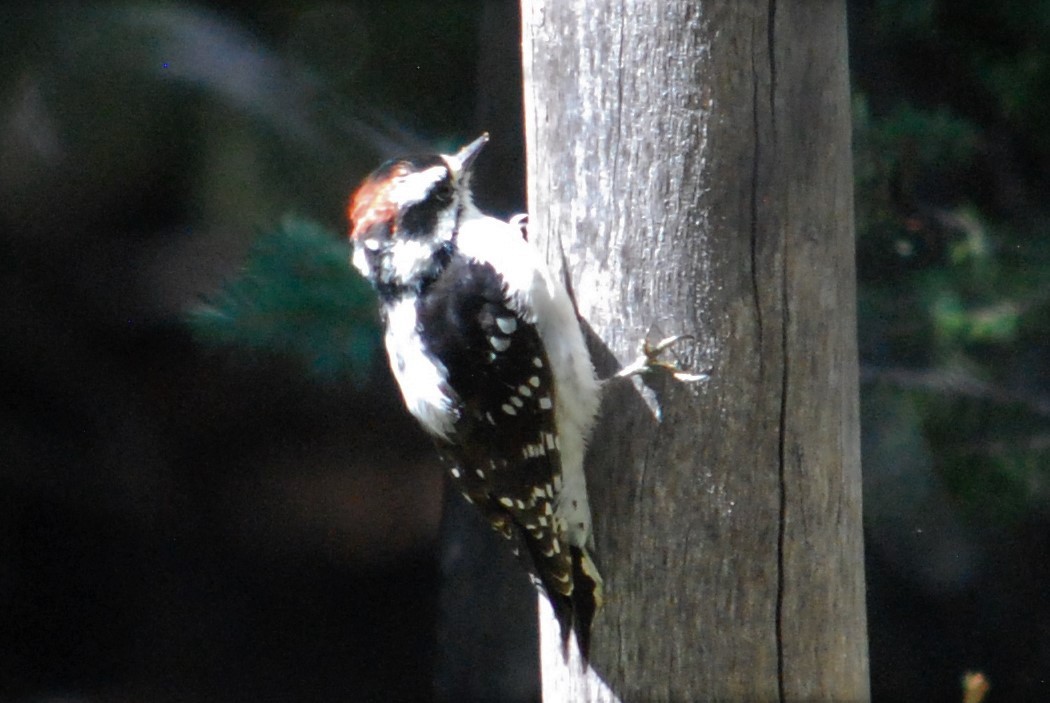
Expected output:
(208, 489)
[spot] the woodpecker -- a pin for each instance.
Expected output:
(490, 358)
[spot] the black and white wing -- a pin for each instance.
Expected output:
(503, 447)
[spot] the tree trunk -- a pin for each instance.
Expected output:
(689, 164)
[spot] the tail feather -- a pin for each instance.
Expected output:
(575, 610)
(586, 599)
(568, 577)
(563, 610)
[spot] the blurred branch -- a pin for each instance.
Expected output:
(1001, 448)
(956, 383)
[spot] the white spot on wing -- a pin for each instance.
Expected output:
(534, 381)
(507, 325)
(545, 403)
(539, 298)
(509, 409)
(500, 344)
(517, 402)
(530, 451)
(525, 391)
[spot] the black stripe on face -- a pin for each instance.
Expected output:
(421, 218)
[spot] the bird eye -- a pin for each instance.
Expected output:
(443, 191)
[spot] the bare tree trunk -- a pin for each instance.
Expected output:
(689, 163)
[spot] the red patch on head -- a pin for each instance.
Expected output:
(371, 203)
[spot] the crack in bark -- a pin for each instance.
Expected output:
(782, 478)
(784, 371)
(757, 156)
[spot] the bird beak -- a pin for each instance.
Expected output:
(465, 156)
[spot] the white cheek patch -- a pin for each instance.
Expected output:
(408, 258)
(445, 227)
(414, 187)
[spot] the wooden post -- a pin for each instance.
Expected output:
(689, 164)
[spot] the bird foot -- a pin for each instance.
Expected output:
(649, 360)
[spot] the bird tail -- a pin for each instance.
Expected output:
(570, 579)
(575, 611)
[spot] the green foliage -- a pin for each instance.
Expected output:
(996, 52)
(953, 249)
(297, 296)
(896, 152)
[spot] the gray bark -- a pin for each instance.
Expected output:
(689, 164)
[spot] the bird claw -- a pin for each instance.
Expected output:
(649, 361)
